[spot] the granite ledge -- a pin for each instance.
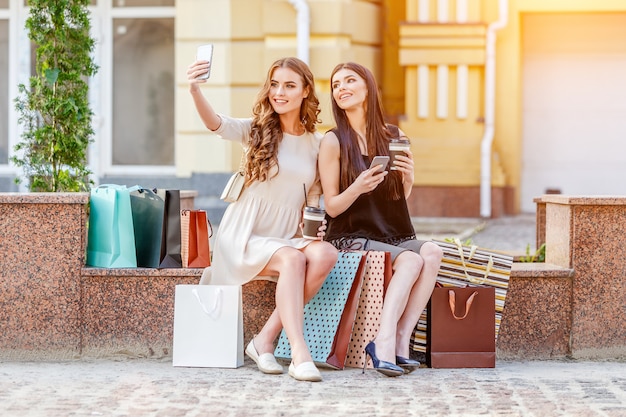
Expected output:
(518, 270)
(88, 271)
(539, 270)
(581, 200)
(44, 198)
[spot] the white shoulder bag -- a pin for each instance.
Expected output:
(235, 184)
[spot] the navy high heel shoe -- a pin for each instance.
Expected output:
(385, 368)
(408, 365)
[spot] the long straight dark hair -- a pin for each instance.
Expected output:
(377, 134)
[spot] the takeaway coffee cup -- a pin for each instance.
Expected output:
(397, 147)
(313, 217)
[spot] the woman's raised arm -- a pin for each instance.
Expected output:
(209, 117)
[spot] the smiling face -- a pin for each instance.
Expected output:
(286, 91)
(349, 89)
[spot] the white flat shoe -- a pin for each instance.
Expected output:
(306, 371)
(266, 362)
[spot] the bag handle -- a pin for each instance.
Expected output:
(215, 310)
(144, 192)
(468, 303)
(210, 225)
(185, 212)
(111, 186)
(473, 248)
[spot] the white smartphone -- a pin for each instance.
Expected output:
(205, 53)
(380, 160)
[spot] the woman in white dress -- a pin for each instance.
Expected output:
(260, 234)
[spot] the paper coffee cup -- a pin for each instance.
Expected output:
(313, 217)
(397, 147)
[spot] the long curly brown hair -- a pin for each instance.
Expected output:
(266, 134)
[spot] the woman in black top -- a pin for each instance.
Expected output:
(368, 210)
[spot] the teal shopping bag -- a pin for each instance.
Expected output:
(111, 236)
(147, 209)
(329, 315)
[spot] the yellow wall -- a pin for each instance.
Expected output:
(248, 36)
(448, 148)
(391, 38)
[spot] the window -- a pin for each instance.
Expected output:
(143, 91)
(142, 3)
(132, 94)
(93, 2)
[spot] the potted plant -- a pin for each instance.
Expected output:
(55, 110)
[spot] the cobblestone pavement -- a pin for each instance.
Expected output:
(142, 387)
(511, 233)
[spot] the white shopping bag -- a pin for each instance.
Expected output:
(208, 326)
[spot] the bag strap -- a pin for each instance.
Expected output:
(242, 162)
(210, 225)
(472, 251)
(468, 303)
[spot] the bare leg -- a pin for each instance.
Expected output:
(320, 259)
(407, 266)
(419, 296)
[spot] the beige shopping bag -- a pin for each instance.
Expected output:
(377, 273)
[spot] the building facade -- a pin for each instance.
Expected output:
(503, 100)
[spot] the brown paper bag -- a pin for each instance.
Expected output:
(195, 246)
(461, 328)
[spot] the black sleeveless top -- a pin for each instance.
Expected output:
(372, 216)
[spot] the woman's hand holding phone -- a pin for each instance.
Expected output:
(380, 161)
(205, 53)
(200, 70)
(369, 179)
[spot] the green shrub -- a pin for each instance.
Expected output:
(54, 110)
(538, 256)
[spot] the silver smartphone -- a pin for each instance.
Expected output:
(380, 160)
(205, 53)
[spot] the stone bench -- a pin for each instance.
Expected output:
(536, 322)
(585, 233)
(129, 311)
(53, 307)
